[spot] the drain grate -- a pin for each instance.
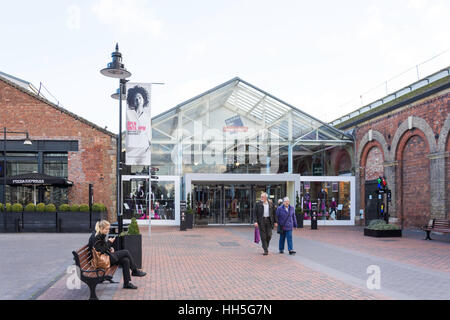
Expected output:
(193, 236)
(229, 244)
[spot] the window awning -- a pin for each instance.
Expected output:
(37, 179)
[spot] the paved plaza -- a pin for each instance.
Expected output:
(331, 263)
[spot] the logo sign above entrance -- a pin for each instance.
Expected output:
(138, 136)
(234, 124)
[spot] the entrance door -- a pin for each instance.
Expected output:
(371, 201)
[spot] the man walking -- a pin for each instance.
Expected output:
(265, 220)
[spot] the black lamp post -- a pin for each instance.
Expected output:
(116, 69)
(28, 142)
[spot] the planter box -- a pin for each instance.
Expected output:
(382, 233)
(77, 221)
(299, 217)
(13, 221)
(39, 222)
(133, 243)
(189, 221)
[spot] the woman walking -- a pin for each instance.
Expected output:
(287, 221)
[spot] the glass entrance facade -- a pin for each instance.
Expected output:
(230, 203)
(237, 129)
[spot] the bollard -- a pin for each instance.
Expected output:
(314, 221)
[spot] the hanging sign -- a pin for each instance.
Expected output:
(138, 138)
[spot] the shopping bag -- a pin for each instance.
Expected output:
(257, 235)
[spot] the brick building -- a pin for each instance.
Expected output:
(64, 144)
(405, 137)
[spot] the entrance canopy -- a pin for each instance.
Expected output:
(37, 179)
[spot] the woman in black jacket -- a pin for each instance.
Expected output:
(122, 257)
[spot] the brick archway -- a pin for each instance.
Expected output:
(413, 178)
(365, 155)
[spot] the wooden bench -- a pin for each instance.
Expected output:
(88, 274)
(437, 225)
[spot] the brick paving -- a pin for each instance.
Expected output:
(223, 263)
(194, 265)
(410, 249)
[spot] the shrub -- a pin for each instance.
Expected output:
(40, 207)
(1, 206)
(98, 207)
(8, 207)
(376, 222)
(385, 226)
(75, 208)
(84, 208)
(30, 207)
(133, 229)
(64, 208)
(17, 207)
(50, 208)
(189, 210)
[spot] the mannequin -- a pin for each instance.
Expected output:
(321, 197)
(307, 202)
(333, 206)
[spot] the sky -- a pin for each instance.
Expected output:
(323, 57)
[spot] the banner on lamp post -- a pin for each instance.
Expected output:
(139, 131)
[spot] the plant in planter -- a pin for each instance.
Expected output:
(84, 207)
(40, 207)
(74, 208)
(43, 218)
(50, 208)
(98, 210)
(379, 228)
(64, 208)
(30, 208)
(132, 241)
(189, 213)
(17, 207)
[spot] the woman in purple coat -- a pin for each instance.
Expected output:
(287, 221)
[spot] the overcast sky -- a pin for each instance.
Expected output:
(319, 56)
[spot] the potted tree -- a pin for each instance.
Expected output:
(189, 213)
(298, 212)
(131, 240)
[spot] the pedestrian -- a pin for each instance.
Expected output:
(121, 257)
(265, 219)
(287, 221)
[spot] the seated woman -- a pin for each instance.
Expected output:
(122, 257)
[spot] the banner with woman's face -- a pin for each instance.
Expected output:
(139, 131)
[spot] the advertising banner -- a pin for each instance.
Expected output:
(139, 131)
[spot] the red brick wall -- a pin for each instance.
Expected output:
(447, 160)
(434, 110)
(415, 187)
(374, 164)
(93, 163)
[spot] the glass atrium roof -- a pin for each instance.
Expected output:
(238, 104)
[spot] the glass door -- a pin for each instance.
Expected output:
(135, 198)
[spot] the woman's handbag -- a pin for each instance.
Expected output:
(100, 260)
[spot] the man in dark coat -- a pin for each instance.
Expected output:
(265, 219)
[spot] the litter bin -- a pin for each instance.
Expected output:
(314, 221)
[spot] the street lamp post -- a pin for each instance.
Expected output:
(116, 69)
(26, 142)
